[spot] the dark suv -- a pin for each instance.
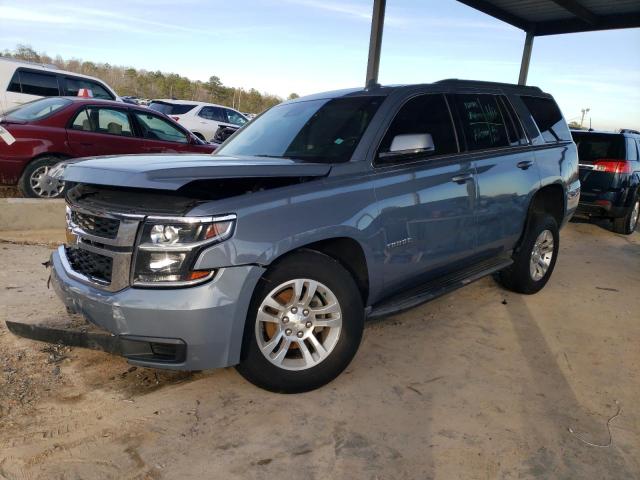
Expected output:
(610, 176)
(321, 212)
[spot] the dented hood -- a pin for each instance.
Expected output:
(170, 172)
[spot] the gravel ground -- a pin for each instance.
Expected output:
(479, 384)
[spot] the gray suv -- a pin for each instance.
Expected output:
(322, 212)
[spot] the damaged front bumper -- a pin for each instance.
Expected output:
(191, 328)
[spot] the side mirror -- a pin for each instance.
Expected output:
(409, 144)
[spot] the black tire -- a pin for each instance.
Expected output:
(25, 184)
(518, 276)
(626, 225)
(304, 264)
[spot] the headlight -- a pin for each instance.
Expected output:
(169, 247)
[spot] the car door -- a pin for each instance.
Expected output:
(209, 119)
(101, 130)
(160, 135)
(505, 168)
(426, 198)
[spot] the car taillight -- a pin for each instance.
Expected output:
(176, 118)
(612, 166)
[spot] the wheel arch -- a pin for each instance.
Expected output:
(61, 156)
(548, 199)
(345, 250)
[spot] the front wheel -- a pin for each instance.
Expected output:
(535, 258)
(304, 324)
(627, 224)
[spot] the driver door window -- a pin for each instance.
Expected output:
(424, 114)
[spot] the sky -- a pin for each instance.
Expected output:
(308, 46)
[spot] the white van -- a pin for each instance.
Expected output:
(21, 82)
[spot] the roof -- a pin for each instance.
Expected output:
(384, 90)
(187, 102)
(550, 17)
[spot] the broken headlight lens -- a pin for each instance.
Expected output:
(169, 248)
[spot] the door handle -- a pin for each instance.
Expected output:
(86, 144)
(524, 164)
(462, 178)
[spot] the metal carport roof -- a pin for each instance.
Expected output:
(535, 17)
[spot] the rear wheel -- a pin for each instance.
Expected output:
(535, 259)
(627, 224)
(35, 181)
(304, 325)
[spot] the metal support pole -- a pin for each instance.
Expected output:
(526, 59)
(375, 42)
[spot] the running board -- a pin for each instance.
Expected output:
(436, 288)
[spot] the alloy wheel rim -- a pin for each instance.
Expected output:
(43, 185)
(298, 324)
(635, 213)
(541, 255)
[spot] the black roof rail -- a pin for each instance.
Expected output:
(629, 130)
(457, 81)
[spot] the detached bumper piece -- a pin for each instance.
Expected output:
(134, 348)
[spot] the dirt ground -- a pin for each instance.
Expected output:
(479, 384)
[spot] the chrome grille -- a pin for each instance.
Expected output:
(90, 264)
(98, 226)
(100, 248)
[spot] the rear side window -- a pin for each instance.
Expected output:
(548, 118)
(599, 146)
(213, 113)
(171, 108)
(14, 85)
(103, 120)
(42, 84)
(73, 84)
(483, 124)
(420, 115)
(632, 151)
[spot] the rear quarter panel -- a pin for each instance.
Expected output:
(31, 141)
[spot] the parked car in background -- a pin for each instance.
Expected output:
(130, 99)
(324, 210)
(610, 176)
(22, 82)
(37, 135)
(223, 133)
(203, 119)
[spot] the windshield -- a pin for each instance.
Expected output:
(171, 108)
(325, 130)
(37, 109)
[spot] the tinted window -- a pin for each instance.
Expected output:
(37, 109)
(43, 84)
(235, 118)
(482, 121)
(213, 113)
(14, 85)
(423, 114)
(103, 120)
(73, 84)
(315, 130)
(632, 152)
(548, 118)
(514, 128)
(171, 108)
(156, 128)
(598, 146)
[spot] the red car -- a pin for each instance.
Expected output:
(37, 135)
